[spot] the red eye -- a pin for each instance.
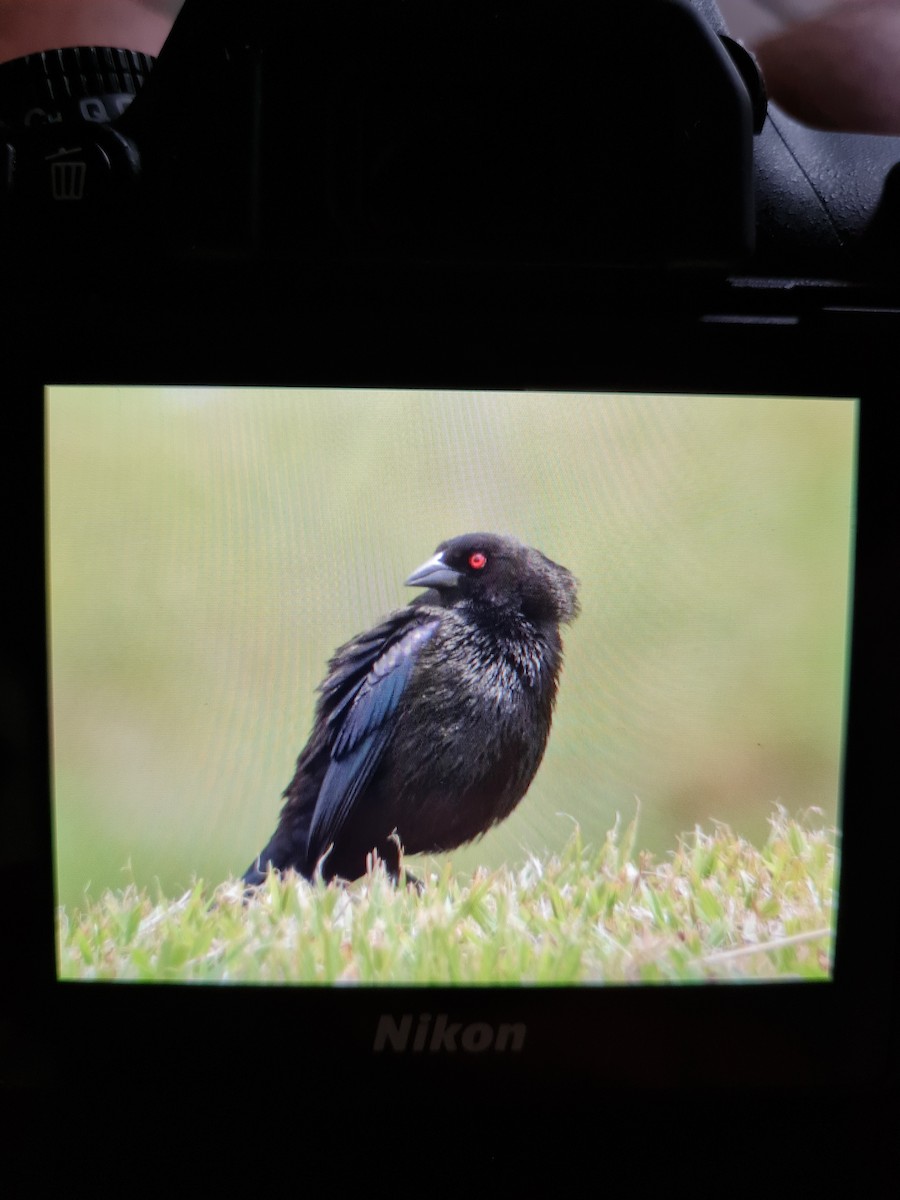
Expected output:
(477, 561)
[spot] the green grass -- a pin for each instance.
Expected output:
(718, 908)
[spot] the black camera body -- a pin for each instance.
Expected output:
(413, 167)
(465, 138)
(408, 166)
(508, 195)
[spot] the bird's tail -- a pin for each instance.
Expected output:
(256, 872)
(286, 849)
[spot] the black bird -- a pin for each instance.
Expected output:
(430, 727)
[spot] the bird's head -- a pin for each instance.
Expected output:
(499, 572)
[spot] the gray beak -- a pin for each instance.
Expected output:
(434, 574)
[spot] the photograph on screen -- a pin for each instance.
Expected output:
(674, 819)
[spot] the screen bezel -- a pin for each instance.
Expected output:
(819, 1035)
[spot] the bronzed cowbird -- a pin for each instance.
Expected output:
(430, 727)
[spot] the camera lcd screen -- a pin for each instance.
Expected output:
(210, 548)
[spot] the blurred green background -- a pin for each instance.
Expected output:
(209, 549)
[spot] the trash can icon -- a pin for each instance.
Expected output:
(68, 177)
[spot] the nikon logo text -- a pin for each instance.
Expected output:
(426, 1034)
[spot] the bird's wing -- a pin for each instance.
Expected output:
(362, 700)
